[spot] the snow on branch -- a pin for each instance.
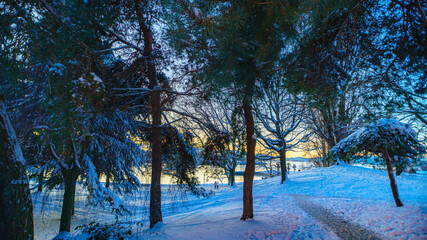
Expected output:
(399, 139)
(98, 193)
(5, 124)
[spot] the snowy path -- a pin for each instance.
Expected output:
(340, 226)
(277, 216)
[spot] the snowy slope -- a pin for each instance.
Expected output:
(358, 195)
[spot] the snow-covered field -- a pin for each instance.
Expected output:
(358, 195)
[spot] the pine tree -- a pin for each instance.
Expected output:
(82, 114)
(16, 208)
(388, 137)
(16, 215)
(396, 37)
(325, 66)
(234, 45)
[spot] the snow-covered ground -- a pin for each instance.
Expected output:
(359, 195)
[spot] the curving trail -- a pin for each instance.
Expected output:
(339, 226)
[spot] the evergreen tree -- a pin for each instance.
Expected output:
(326, 66)
(234, 44)
(388, 137)
(395, 34)
(156, 111)
(16, 215)
(83, 117)
(16, 208)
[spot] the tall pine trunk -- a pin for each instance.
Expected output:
(70, 180)
(156, 114)
(391, 177)
(156, 166)
(282, 155)
(248, 210)
(16, 208)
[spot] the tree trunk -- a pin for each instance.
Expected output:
(156, 113)
(248, 211)
(74, 205)
(391, 177)
(228, 174)
(70, 180)
(331, 143)
(232, 178)
(107, 180)
(283, 169)
(16, 208)
(156, 166)
(40, 178)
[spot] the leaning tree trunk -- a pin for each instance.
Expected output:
(248, 210)
(16, 208)
(156, 114)
(391, 177)
(283, 169)
(70, 180)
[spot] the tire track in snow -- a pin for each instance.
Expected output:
(339, 226)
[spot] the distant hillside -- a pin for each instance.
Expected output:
(299, 159)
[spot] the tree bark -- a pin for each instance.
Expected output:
(40, 178)
(156, 166)
(107, 180)
(232, 179)
(16, 208)
(70, 180)
(156, 114)
(74, 205)
(248, 211)
(391, 177)
(283, 169)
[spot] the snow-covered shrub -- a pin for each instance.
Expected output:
(397, 138)
(98, 231)
(394, 140)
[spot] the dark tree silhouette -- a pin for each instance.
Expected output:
(16, 208)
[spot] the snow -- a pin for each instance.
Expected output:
(197, 13)
(17, 152)
(63, 235)
(359, 195)
(98, 193)
(398, 138)
(96, 78)
(58, 69)
(396, 125)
